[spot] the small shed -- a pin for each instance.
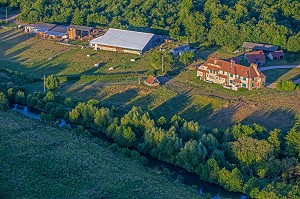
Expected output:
(178, 50)
(277, 55)
(76, 31)
(152, 81)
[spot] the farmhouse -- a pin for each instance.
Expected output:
(277, 55)
(231, 75)
(124, 41)
(248, 46)
(178, 50)
(57, 32)
(152, 81)
(77, 32)
(256, 57)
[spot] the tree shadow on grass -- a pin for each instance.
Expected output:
(222, 118)
(173, 106)
(197, 113)
(278, 118)
(144, 101)
(121, 99)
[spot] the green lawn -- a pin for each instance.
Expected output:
(282, 74)
(39, 161)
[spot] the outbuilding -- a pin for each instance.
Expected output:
(178, 50)
(77, 32)
(249, 46)
(40, 28)
(58, 32)
(124, 41)
(277, 55)
(256, 57)
(152, 81)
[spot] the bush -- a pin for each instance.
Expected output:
(286, 85)
(20, 97)
(49, 97)
(3, 102)
(11, 94)
(51, 82)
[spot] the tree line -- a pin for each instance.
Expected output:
(243, 158)
(226, 23)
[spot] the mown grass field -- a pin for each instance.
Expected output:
(38, 161)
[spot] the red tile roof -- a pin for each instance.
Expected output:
(235, 69)
(152, 80)
(203, 71)
(278, 53)
(256, 56)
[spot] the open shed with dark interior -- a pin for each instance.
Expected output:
(76, 31)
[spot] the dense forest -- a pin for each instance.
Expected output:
(226, 23)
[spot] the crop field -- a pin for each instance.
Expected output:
(39, 161)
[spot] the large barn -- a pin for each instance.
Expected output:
(125, 41)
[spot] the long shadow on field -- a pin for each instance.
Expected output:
(278, 118)
(221, 119)
(14, 54)
(173, 106)
(4, 34)
(197, 113)
(144, 101)
(121, 98)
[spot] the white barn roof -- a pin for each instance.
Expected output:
(124, 39)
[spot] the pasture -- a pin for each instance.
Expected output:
(39, 161)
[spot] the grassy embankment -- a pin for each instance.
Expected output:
(39, 161)
(209, 104)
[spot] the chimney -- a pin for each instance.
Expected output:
(255, 68)
(215, 61)
(232, 62)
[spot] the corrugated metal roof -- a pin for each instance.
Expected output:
(43, 27)
(257, 46)
(179, 48)
(124, 39)
(82, 28)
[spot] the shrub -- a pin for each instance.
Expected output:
(20, 97)
(11, 94)
(286, 85)
(3, 102)
(51, 82)
(49, 97)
